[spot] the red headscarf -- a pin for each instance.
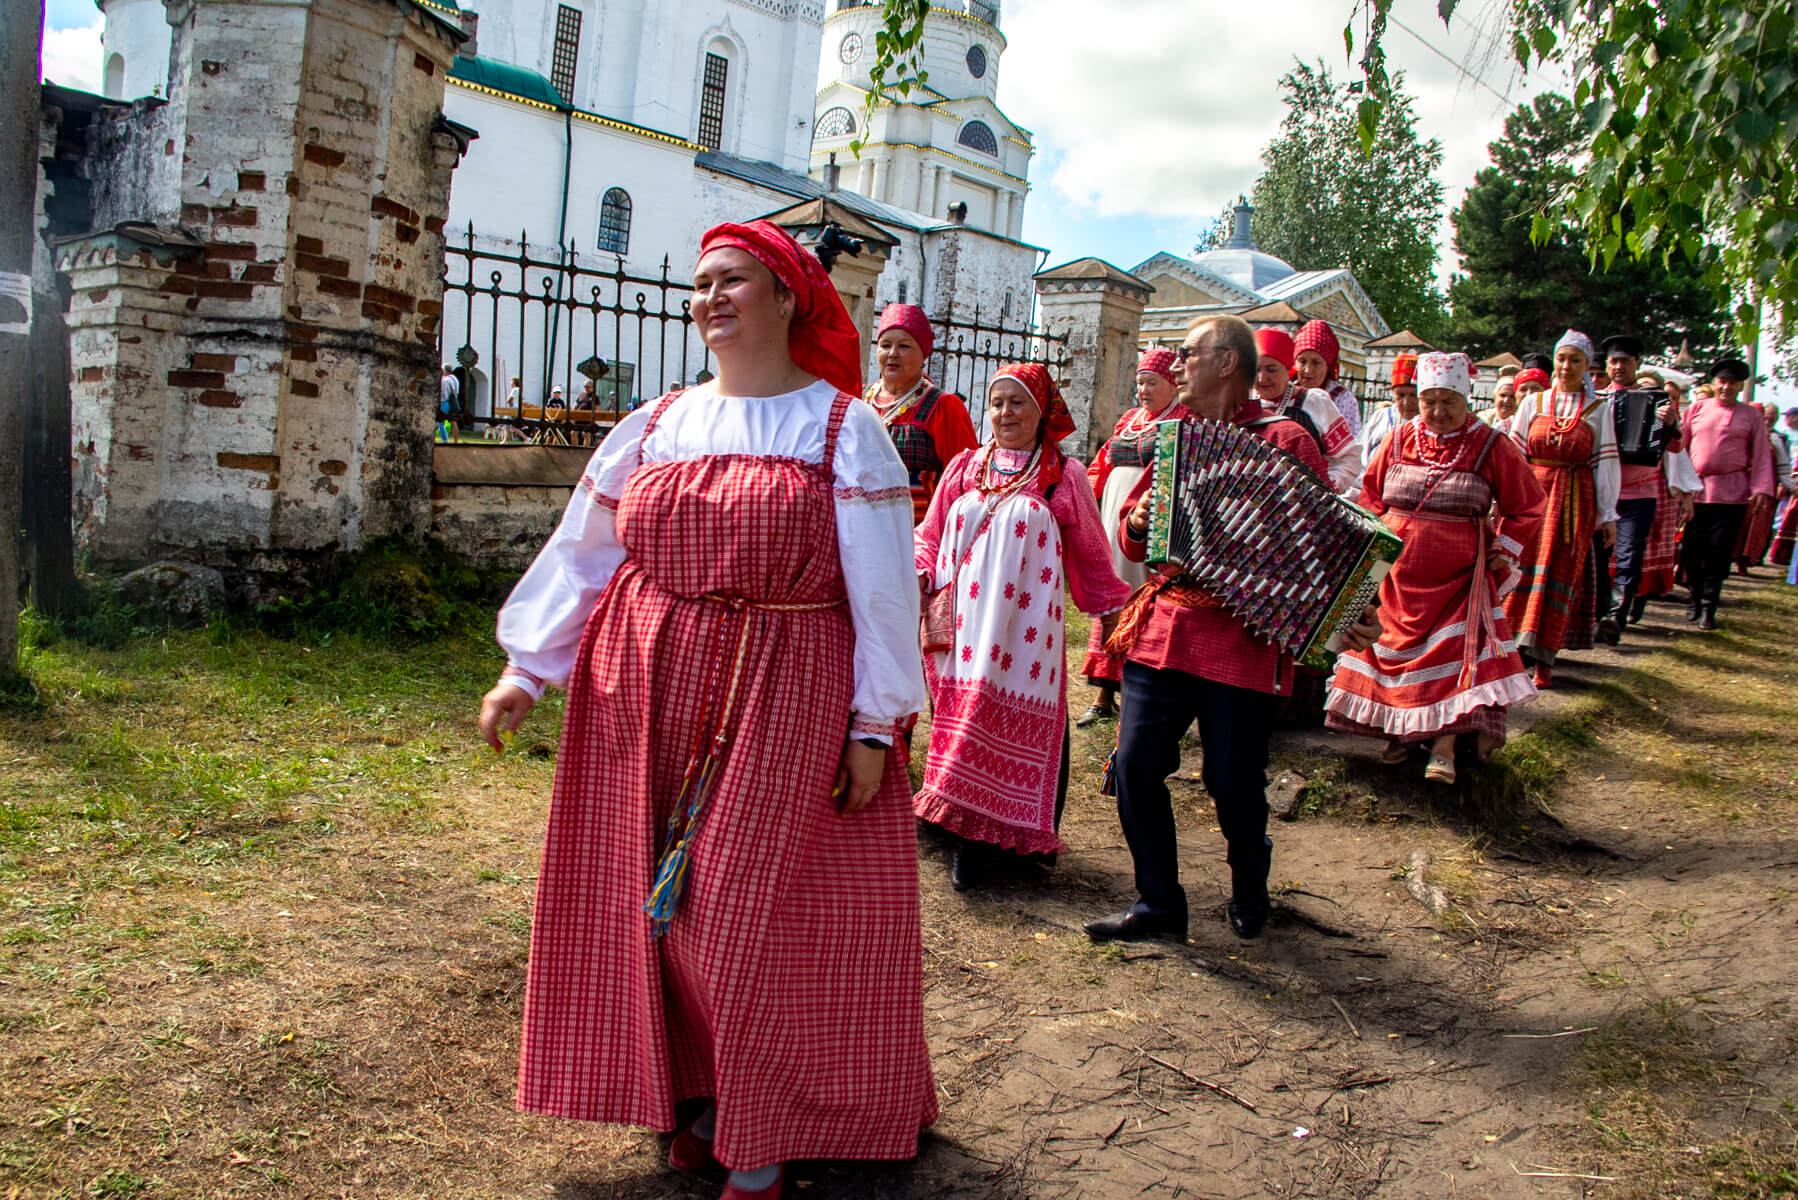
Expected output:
(1319, 337)
(1277, 345)
(1404, 370)
(1158, 362)
(822, 339)
(1535, 375)
(1036, 379)
(910, 319)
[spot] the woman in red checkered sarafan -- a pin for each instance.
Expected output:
(728, 906)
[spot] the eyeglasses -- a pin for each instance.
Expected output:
(1182, 353)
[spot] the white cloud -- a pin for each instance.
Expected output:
(1161, 108)
(72, 56)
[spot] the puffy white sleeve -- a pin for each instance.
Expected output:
(1681, 475)
(540, 626)
(874, 539)
(1607, 468)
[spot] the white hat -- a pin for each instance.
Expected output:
(1451, 371)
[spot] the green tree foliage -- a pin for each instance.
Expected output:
(1517, 293)
(1321, 203)
(1688, 110)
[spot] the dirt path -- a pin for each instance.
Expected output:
(1607, 992)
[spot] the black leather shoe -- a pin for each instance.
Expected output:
(1637, 608)
(1248, 919)
(961, 868)
(1707, 620)
(1128, 926)
(1608, 631)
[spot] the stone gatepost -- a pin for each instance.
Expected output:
(854, 276)
(1099, 309)
(254, 321)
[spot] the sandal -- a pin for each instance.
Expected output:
(1440, 770)
(1395, 753)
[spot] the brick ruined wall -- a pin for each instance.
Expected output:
(273, 391)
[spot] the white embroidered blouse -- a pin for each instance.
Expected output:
(540, 626)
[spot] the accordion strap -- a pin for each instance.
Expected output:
(1176, 589)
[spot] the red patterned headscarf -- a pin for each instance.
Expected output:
(1035, 377)
(1277, 345)
(910, 319)
(1535, 375)
(1404, 370)
(822, 339)
(1319, 337)
(1158, 362)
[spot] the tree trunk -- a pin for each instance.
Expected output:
(21, 43)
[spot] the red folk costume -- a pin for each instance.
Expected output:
(1319, 337)
(1004, 530)
(717, 549)
(929, 426)
(1183, 627)
(1314, 411)
(1120, 462)
(1445, 661)
(1570, 440)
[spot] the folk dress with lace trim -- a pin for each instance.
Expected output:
(999, 694)
(1445, 662)
(787, 985)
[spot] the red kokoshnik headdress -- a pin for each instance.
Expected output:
(1035, 377)
(822, 339)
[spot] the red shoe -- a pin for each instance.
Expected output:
(690, 1152)
(1543, 677)
(771, 1192)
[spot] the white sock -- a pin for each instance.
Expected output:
(757, 1180)
(707, 1125)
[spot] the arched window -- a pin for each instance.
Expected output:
(615, 222)
(976, 135)
(115, 77)
(836, 122)
(714, 85)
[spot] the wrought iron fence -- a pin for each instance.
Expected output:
(968, 353)
(549, 320)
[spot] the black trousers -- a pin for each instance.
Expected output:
(1709, 546)
(1635, 522)
(1234, 725)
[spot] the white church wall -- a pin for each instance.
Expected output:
(134, 49)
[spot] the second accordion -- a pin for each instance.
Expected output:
(1269, 539)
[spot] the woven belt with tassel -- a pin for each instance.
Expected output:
(708, 752)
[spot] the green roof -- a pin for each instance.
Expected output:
(504, 77)
(448, 6)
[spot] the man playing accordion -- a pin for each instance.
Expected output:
(1186, 657)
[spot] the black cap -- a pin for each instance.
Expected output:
(1621, 345)
(1538, 362)
(1729, 368)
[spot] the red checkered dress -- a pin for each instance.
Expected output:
(789, 984)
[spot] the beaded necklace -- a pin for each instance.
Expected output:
(899, 407)
(998, 484)
(1555, 420)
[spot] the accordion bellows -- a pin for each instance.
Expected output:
(1274, 543)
